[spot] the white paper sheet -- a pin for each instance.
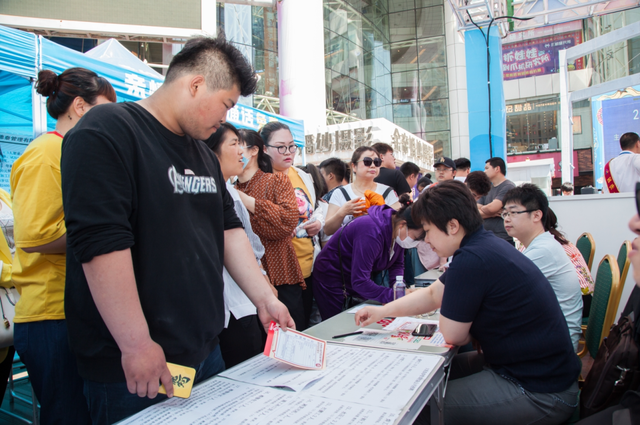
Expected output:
(299, 350)
(370, 377)
(265, 371)
(400, 321)
(221, 401)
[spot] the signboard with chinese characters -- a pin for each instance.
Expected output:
(342, 139)
(529, 107)
(538, 56)
(243, 116)
(12, 147)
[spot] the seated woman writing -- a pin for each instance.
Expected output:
(371, 243)
(527, 371)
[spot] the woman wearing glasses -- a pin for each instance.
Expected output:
(348, 200)
(273, 212)
(369, 244)
(281, 148)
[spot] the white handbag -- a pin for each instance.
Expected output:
(8, 300)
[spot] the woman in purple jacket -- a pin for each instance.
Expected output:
(371, 243)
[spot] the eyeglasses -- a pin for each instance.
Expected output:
(368, 161)
(283, 149)
(506, 214)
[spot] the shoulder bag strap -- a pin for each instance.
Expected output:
(386, 192)
(344, 193)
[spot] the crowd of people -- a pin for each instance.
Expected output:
(154, 232)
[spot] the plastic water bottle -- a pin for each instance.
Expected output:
(399, 288)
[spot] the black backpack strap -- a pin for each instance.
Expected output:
(386, 192)
(344, 193)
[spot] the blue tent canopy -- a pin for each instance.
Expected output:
(23, 55)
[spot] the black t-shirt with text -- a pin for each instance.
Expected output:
(129, 182)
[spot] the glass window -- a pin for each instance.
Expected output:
(532, 125)
(429, 22)
(441, 143)
(433, 83)
(407, 116)
(427, 3)
(431, 53)
(404, 56)
(435, 115)
(402, 26)
(406, 87)
(398, 5)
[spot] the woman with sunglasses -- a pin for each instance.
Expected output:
(273, 211)
(348, 200)
(372, 243)
(281, 148)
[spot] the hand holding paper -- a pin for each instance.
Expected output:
(295, 348)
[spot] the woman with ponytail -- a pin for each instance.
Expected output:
(39, 268)
(370, 243)
(273, 209)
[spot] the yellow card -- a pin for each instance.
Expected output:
(183, 377)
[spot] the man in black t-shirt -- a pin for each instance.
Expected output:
(389, 175)
(150, 226)
(496, 297)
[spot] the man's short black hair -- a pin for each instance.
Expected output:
(462, 164)
(478, 182)
(628, 140)
(445, 201)
(334, 166)
(219, 61)
(496, 161)
(382, 148)
(530, 197)
(567, 187)
(409, 168)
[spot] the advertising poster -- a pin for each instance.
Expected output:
(538, 56)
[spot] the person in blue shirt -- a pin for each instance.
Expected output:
(525, 369)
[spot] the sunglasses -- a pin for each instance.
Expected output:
(368, 161)
(638, 197)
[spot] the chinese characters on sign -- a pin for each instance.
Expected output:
(245, 117)
(404, 144)
(138, 87)
(538, 56)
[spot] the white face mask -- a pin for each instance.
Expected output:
(408, 243)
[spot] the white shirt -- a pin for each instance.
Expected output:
(555, 265)
(337, 198)
(235, 300)
(625, 170)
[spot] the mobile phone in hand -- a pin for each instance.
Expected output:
(424, 330)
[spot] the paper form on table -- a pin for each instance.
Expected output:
(295, 348)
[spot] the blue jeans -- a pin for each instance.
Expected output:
(112, 402)
(44, 348)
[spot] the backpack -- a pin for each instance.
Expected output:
(614, 371)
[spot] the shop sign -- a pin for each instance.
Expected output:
(405, 145)
(530, 107)
(538, 56)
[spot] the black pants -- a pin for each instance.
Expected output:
(291, 297)
(307, 301)
(241, 340)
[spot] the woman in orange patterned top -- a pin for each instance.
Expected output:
(273, 211)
